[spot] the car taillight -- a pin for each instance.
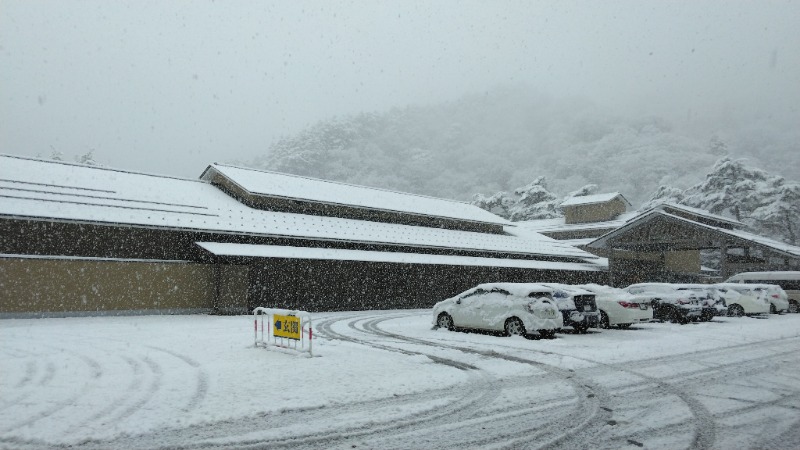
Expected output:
(776, 296)
(628, 304)
(683, 302)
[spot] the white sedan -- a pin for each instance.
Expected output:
(743, 299)
(513, 308)
(617, 307)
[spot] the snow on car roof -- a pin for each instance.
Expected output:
(591, 199)
(521, 289)
(572, 289)
(282, 251)
(281, 185)
(53, 190)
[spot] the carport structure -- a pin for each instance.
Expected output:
(664, 244)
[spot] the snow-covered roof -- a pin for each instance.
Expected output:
(286, 186)
(591, 199)
(559, 225)
(52, 190)
(280, 251)
(781, 247)
(695, 212)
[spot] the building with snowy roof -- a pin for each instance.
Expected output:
(594, 208)
(664, 244)
(76, 238)
(585, 218)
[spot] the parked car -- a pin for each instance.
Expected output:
(777, 297)
(709, 298)
(512, 308)
(744, 299)
(787, 280)
(618, 308)
(578, 307)
(667, 302)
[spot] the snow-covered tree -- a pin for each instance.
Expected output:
(534, 201)
(87, 158)
(588, 189)
(732, 189)
(664, 194)
(529, 202)
(499, 203)
(779, 215)
(767, 204)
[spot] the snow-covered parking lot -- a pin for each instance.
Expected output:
(385, 379)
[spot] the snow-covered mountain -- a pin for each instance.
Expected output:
(504, 139)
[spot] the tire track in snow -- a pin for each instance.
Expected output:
(133, 387)
(155, 384)
(31, 367)
(587, 418)
(201, 390)
(96, 372)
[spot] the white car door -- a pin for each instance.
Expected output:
(464, 309)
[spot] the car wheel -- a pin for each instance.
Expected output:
(514, 327)
(547, 334)
(735, 310)
(582, 329)
(445, 321)
(772, 309)
(793, 308)
(604, 322)
(624, 325)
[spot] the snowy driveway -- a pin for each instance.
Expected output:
(385, 379)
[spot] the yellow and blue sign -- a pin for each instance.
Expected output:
(286, 326)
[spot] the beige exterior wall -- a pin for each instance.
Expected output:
(83, 285)
(596, 212)
(687, 261)
(233, 286)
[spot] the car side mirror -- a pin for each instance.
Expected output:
(458, 302)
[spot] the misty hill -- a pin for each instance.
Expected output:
(506, 138)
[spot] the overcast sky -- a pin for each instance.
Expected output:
(170, 86)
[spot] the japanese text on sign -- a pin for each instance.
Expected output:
(287, 326)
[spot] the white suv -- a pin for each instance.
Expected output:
(788, 281)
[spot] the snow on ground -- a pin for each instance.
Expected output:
(164, 381)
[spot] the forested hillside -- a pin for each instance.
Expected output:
(507, 138)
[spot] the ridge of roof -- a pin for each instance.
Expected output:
(353, 195)
(104, 168)
(341, 183)
(698, 211)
